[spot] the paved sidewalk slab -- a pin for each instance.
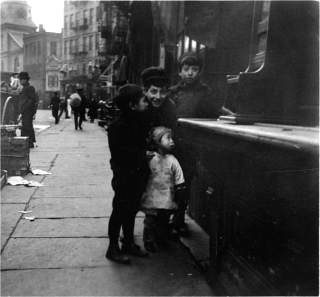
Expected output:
(9, 219)
(69, 227)
(71, 207)
(101, 281)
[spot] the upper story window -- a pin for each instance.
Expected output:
(2, 42)
(26, 51)
(71, 20)
(90, 42)
(66, 22)
(65, 50)
(39, 48)
(84, 44)
(16, 64)
(91, 16)
(53, 48)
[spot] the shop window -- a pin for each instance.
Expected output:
(39, 48)
(185, 44)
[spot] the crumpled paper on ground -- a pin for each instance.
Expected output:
(39, 172)
(18, 180)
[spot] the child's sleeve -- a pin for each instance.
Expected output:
(177, 172)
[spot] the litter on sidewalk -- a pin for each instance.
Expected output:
(39, 172)
(29, 218)
(18, 180)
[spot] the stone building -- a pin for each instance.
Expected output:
(16, 20)
(80, 45)
(42, 54)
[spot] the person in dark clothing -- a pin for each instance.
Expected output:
(192, 99)
(78, 110)
(161, 110)
(27, 107)
(55, 104)
(63, 106)
(93, 108)
(127, 136)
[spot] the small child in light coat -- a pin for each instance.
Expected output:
(164, 189)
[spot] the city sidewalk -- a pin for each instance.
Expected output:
(62, 252)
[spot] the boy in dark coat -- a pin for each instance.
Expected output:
(27, 107)
(161, 110)
(129, 162)
(192, 99)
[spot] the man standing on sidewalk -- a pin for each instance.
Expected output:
(27, 107)
(54, 104)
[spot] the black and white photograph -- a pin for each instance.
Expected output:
(159, 148)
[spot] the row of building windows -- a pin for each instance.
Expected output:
(73, 20)
(76, 47)
(34, 49)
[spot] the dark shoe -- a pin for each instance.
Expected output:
(31, 145)
(134, 250)
(162, 243)
(123, 241)
(80, 128)
(76, 128)
(116, 255)
(149, 246)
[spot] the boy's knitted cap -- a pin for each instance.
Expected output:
(153, 75)
(127, 94)
(158, 132)
(191, 58)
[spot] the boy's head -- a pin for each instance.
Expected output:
(131, 98)
(190, 66)
(155, 82)
(161, 138)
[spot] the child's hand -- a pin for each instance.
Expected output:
(149, 155)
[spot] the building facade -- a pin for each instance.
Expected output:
(80, 45)
(42, 54)
(16, 20)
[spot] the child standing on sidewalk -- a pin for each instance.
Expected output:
(127, 137)
(164, 189)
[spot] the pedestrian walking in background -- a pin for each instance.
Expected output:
(127, 136)
(161, 110)
(27, 107)
(93, 108)
(192, 99)
(55, 105)
(69, 108)
(78, 104)
(63, 107)
(164, 190)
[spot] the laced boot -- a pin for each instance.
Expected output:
(114, 254)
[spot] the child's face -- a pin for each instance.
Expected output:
(156, 95)
(141, 106)
(166, 144)
(189, 74)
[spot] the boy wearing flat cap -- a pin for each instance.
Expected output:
(27, 107)
(127, 136)
(192, 99)
(161, 110)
